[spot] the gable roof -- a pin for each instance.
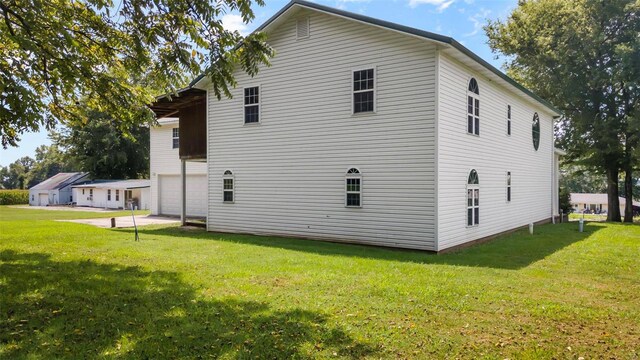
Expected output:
(440, 39)
(60, 180)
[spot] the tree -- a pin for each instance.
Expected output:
(49, 161)
(104, 149)
(54, 53)
(583, 56)
(15, 175)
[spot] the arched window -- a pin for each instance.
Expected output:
(228, 187)
(473, 199)
(353, 188)
(473, 107)
(535, 131)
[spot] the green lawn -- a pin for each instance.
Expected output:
(74, 291)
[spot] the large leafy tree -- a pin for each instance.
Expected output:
(583, 56)
(49, 161)
(101, 147)
(55, 52)
(15, 176)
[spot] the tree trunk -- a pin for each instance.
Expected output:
(613, 213)
(628, 195)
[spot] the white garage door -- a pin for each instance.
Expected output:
(169, 195)
(43, 199)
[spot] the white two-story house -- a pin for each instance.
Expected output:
(363, 131)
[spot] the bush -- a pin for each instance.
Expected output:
(14, 197)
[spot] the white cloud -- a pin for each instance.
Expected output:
(441, 5)
(233, 22)
(478, 19)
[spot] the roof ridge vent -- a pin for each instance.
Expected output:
(302, 28)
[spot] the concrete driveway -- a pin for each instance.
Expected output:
(127, 221)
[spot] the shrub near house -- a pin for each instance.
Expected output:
(14, 197)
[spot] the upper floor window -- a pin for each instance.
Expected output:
(473, 199)
(228, 187)
(363, 91)
(508, 186)
(508, 119)
(176, 138)
(252, 105)
(473, 107)
(535, 131)
(353, 187)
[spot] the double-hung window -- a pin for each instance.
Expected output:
(117, 195)
(109, 195)
(176, 138)
(473, 108)
(228, 187)
(252, 105)
(473, 199)
(363, 91)
(353, 188)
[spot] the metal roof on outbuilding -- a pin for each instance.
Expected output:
(59, 181)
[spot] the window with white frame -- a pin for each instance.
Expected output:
(176, 137)
(353, 188)
(535, 131)
(228, 187)
(473, 199)
(363, 91)
(508, 119)
(117, 195)
(473, 107)
(508, 186)
(252, 105)
(90, 194)
(109, 195)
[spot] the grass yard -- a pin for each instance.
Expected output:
(74, 291)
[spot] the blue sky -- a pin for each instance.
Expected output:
(460, 19)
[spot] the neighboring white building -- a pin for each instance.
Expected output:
(596, 203)
(369, 132)
(165, 174)
(56, 190)
(114, 194)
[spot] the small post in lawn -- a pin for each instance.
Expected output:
(133, 216)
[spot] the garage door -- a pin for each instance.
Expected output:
(43, 199)
(169, 195)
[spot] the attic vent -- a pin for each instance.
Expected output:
(302, 28)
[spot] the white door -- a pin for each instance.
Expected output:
(43, 199)
(169, 195)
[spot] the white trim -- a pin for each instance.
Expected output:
(375, 90)
(475, 188)
(508, 192)
(244, 106)
(308, 27)
(357, 176)
(231, 177)
(436, 239)
(476, 99)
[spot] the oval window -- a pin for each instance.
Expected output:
(535, 131)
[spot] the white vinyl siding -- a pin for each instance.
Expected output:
(290, 171)
(492, 155)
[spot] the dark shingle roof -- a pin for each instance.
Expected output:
(59, 181)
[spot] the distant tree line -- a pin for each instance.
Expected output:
(99, 147)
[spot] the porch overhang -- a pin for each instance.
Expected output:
(189, 106)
